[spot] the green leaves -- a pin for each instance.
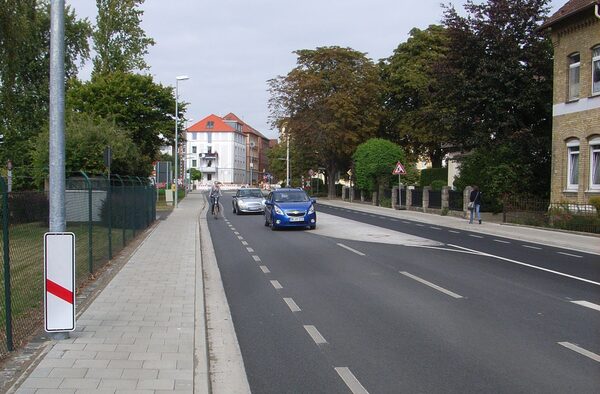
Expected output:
(374, 162)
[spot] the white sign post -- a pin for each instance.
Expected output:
(399, 170)
(59, 281)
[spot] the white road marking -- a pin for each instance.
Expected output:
(244, 243)
(475, 236)
(531, 247)
(350, 380)
(420, 225)
(276, 284)
(350, 249)
(454, 231)
(571, 255)
(315, 335)
(255, 257)
(438, 288)
(394, 220)
(372, 216)
(265, 269)
(405, 222)
(527, 265)
(580, 350)
(236, 233)
(434, 228)
(587, 304)
(233, 228)
(292, 305)
(240, 237)
(501, 241)
(250, 250)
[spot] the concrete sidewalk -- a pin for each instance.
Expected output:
(145, 332)
(562, 239)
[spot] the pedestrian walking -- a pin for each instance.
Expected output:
(475, 204)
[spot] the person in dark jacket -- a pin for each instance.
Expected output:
(475, 198)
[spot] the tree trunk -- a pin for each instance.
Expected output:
(331, 170)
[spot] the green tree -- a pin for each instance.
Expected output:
(329, 103)
(413, 116)
(86, 138)
(24, 65)
(195, 174)
(497, 78)
(135, 103)
(374, 161)
(119, 41)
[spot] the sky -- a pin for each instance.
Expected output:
(231, 48)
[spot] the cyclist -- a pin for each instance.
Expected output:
(215, 193)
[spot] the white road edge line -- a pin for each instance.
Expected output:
(527, 265)
(434, 286)
(587, 304)
(292, 305)
(569, 254)
(276, 284)
(350, 380)
(265, 269)
(580, 350)
(315, 335)
(350, 249)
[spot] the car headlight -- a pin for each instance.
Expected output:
(278, 210)
(241, 203)
(311, 210)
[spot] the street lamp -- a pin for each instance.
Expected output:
(186, 179)
(177, 79)
(287, 156)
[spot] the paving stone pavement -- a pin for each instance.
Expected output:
(137, 336)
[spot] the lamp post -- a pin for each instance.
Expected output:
(186, 180)
(177, 79)
(287, 155)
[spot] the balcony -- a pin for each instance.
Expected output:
(207, 170)
(208, 156)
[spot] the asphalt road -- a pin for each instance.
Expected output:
(418, 308)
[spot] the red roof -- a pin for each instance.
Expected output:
(218, 125)
(571, 8)
(246, 128)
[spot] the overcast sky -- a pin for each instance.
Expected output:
(230, 48)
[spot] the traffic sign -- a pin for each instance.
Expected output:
(59, 281)
(311, 172)
(399, 170)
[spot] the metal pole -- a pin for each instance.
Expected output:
(9, 167)
(176, 141)
(57, 116)
(90, 223)
(287, 161)
(6, 263)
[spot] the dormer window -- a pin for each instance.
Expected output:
(574, 71)
(210, 124)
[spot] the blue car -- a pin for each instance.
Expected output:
(290, 208)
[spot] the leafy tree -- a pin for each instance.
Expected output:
(195, 174)
(413, 115)
(135, 103)
(497, 78)
(374, 162)
(329, 104)
(300, 162)
(24, 77)
(86, 138)
(119, 41)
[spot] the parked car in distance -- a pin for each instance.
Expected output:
(248, 200)
(290, 208)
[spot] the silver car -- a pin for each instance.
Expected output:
(248, 200)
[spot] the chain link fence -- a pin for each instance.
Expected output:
(104, 214)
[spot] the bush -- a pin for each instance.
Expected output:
(430, 175)
(595, 202)
(438, 184)
(28, 207)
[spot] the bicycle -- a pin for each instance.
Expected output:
(215, 207)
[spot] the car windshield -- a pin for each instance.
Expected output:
(250, 193)
(298, 196)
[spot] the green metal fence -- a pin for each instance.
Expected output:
(105, 215)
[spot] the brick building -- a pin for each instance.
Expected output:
(575, 31)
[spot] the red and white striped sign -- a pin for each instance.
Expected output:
(59, 282)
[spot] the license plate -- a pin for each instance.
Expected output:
(297, 219)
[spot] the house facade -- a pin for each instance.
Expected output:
(575, 31)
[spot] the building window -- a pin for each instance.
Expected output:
(194, 163)
(209, 164)
(210, 124)
(574, 68)
(209, 177)
(595, 163)
(573, 164)
(596, 70)
(194, 149)
(194, 136)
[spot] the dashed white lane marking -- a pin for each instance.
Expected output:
(420, 225)
(531, 247)
(276, 284)
(587, 304)
(571, 255)
(350, 380)
(250, 250)
(315, 335)
(580, 350)
(350, 249)
(240, 237)
(292, 305)
(475, 236)
(236, 233)
(265, 269)
(434, 286)
(405, 222)
(256, 258)
(434, 228)
(233, 228)
(454, 231)
(244, 243)
(527, 265)
(501, 241)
